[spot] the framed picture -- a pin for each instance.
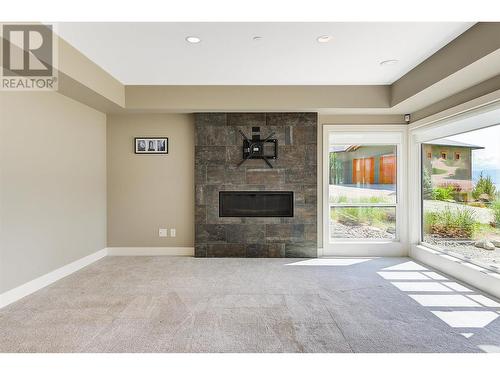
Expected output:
(151, 145)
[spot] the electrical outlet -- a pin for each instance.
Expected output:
(172, 232)
(162, 232)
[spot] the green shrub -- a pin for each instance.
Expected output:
(495, 206)
(438, 171)
(376, 216)
(443, 193)
(485, 188)
(372, 199)
(451, 223)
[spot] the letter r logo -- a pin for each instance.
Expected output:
(27, 50)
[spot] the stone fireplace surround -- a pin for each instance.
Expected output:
(218, 150)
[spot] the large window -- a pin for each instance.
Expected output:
(362, 191)
(461, 195)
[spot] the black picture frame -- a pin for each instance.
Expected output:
(151, 145)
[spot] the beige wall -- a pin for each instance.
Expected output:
(148, 192)
(53, 184)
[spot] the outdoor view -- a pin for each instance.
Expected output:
(362, 191)
(461, 194)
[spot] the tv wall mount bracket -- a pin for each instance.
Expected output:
(255, 147)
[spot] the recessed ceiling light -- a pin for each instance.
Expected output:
(389, 62)
(193, 39)
(324, 38)
(257, 38)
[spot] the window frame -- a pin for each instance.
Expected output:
(368, 135)
(419, 133)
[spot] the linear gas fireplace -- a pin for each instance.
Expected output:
(256, 204)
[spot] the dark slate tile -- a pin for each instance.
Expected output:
(214, 218)
(200, 174)
(246, 119)
(206, 154)
(258, 164)
(306, 176)
(233, 155)
(246, 233)
(308, 119)
(209, 233)
(200, 216)
(200, 250)
(292, 119)
(285, 232)
(200, 197)
(235, 176)
(257, 251)
(279, 133)
(278, 232)
(311, 194)
(233, 137)
(212, 195)
(291, 156)
(215, 173)
(299, 196)
(235, 234)
(311, 153)
(226, 250)
(305, 135)
(302, 214)
(301, 250)
(311, 232)
(255, 233)
(276, 250)
(265, 176)
(209, 119)
(211, 136)
(288, 135)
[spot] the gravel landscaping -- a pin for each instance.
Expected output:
(339, 230)
(466, 248)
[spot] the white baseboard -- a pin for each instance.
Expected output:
(151, 251)
(32, 286)
(481, 278)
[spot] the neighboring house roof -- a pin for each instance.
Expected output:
(437, 142)
(345, 148)
(450, 142)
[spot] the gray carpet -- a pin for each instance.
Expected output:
(168, 304)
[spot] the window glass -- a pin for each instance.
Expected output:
(363, 174)
(461, 196)
(362, 191)
(367, 222)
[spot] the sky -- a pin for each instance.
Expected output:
(489, 138)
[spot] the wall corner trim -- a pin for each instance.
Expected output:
(32, 286)
(150, 251)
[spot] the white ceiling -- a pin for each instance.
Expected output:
(287, 54)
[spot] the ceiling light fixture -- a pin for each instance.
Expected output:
(324, 38)
(257, 38)
(193, 39)
(389, 62)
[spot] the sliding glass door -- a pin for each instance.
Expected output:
(362, 192)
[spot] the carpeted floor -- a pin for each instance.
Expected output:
(169, 304)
